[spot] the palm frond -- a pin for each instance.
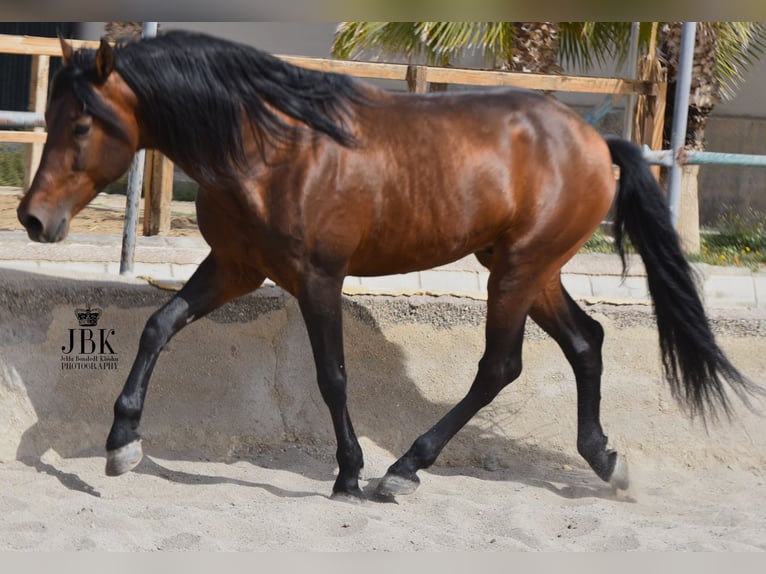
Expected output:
(740, 46)
(378, 39)
(449, 40)
(588, 44)
(437, 42)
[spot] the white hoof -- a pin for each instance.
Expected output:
(394, 485)
(124, 459)
(620, 479)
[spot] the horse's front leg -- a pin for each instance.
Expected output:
(320, 303)
(207, 289)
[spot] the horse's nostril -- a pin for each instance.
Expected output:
(33, 226)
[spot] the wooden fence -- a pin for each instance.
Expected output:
(158, 181)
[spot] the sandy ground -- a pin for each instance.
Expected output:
(534, 494)
(278, 501)
(278, 498)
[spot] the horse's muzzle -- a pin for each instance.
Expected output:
(43, 227)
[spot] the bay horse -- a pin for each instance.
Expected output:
(306, 177)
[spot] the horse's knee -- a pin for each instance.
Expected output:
(500, 371)
(332, 385)
(157, 332)
(495, 375)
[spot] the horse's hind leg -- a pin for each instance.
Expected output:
(320, 303)
(581, 337)
(207, 289)
(512, 287)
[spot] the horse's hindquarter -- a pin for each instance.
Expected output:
(446, 176)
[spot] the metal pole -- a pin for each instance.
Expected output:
(719, 158)
(149, 29)
(11, 119)
(135, 183)
(130, 229)
(665, 157)
(630, 107)
(680, 116)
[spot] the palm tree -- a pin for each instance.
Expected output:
(514, 46)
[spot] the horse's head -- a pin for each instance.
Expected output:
(92, 136)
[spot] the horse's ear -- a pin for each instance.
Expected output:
(66, 50)
(104, 60)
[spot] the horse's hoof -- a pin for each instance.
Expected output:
(355, 498)
(123, 459)
(620, 479)
(395, 485)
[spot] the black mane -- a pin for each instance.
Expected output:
(193, 90)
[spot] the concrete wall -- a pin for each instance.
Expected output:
(724, 189)
(243, 378)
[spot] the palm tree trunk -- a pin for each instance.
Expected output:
(535, 48)
(117, 31)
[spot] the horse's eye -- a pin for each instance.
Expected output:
(81, 129)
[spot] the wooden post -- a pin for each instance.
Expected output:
(416, 79)
(654, 121)
(38, 98)
(158, 193)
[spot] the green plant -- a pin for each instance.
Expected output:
(117, 187)
(738, 240)
(184, 190)
(599, 242)
(11, 165)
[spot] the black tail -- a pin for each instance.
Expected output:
(694, 365)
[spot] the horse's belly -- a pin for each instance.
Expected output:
(391, 255)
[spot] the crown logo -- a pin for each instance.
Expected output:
(87, 317)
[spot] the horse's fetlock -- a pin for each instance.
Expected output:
(591, 445)
(424, 451)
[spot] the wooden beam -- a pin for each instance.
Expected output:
(11, 136)
(353, 68)
(546, 82)
(158, 193)
(34, 46)
(38, 96)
